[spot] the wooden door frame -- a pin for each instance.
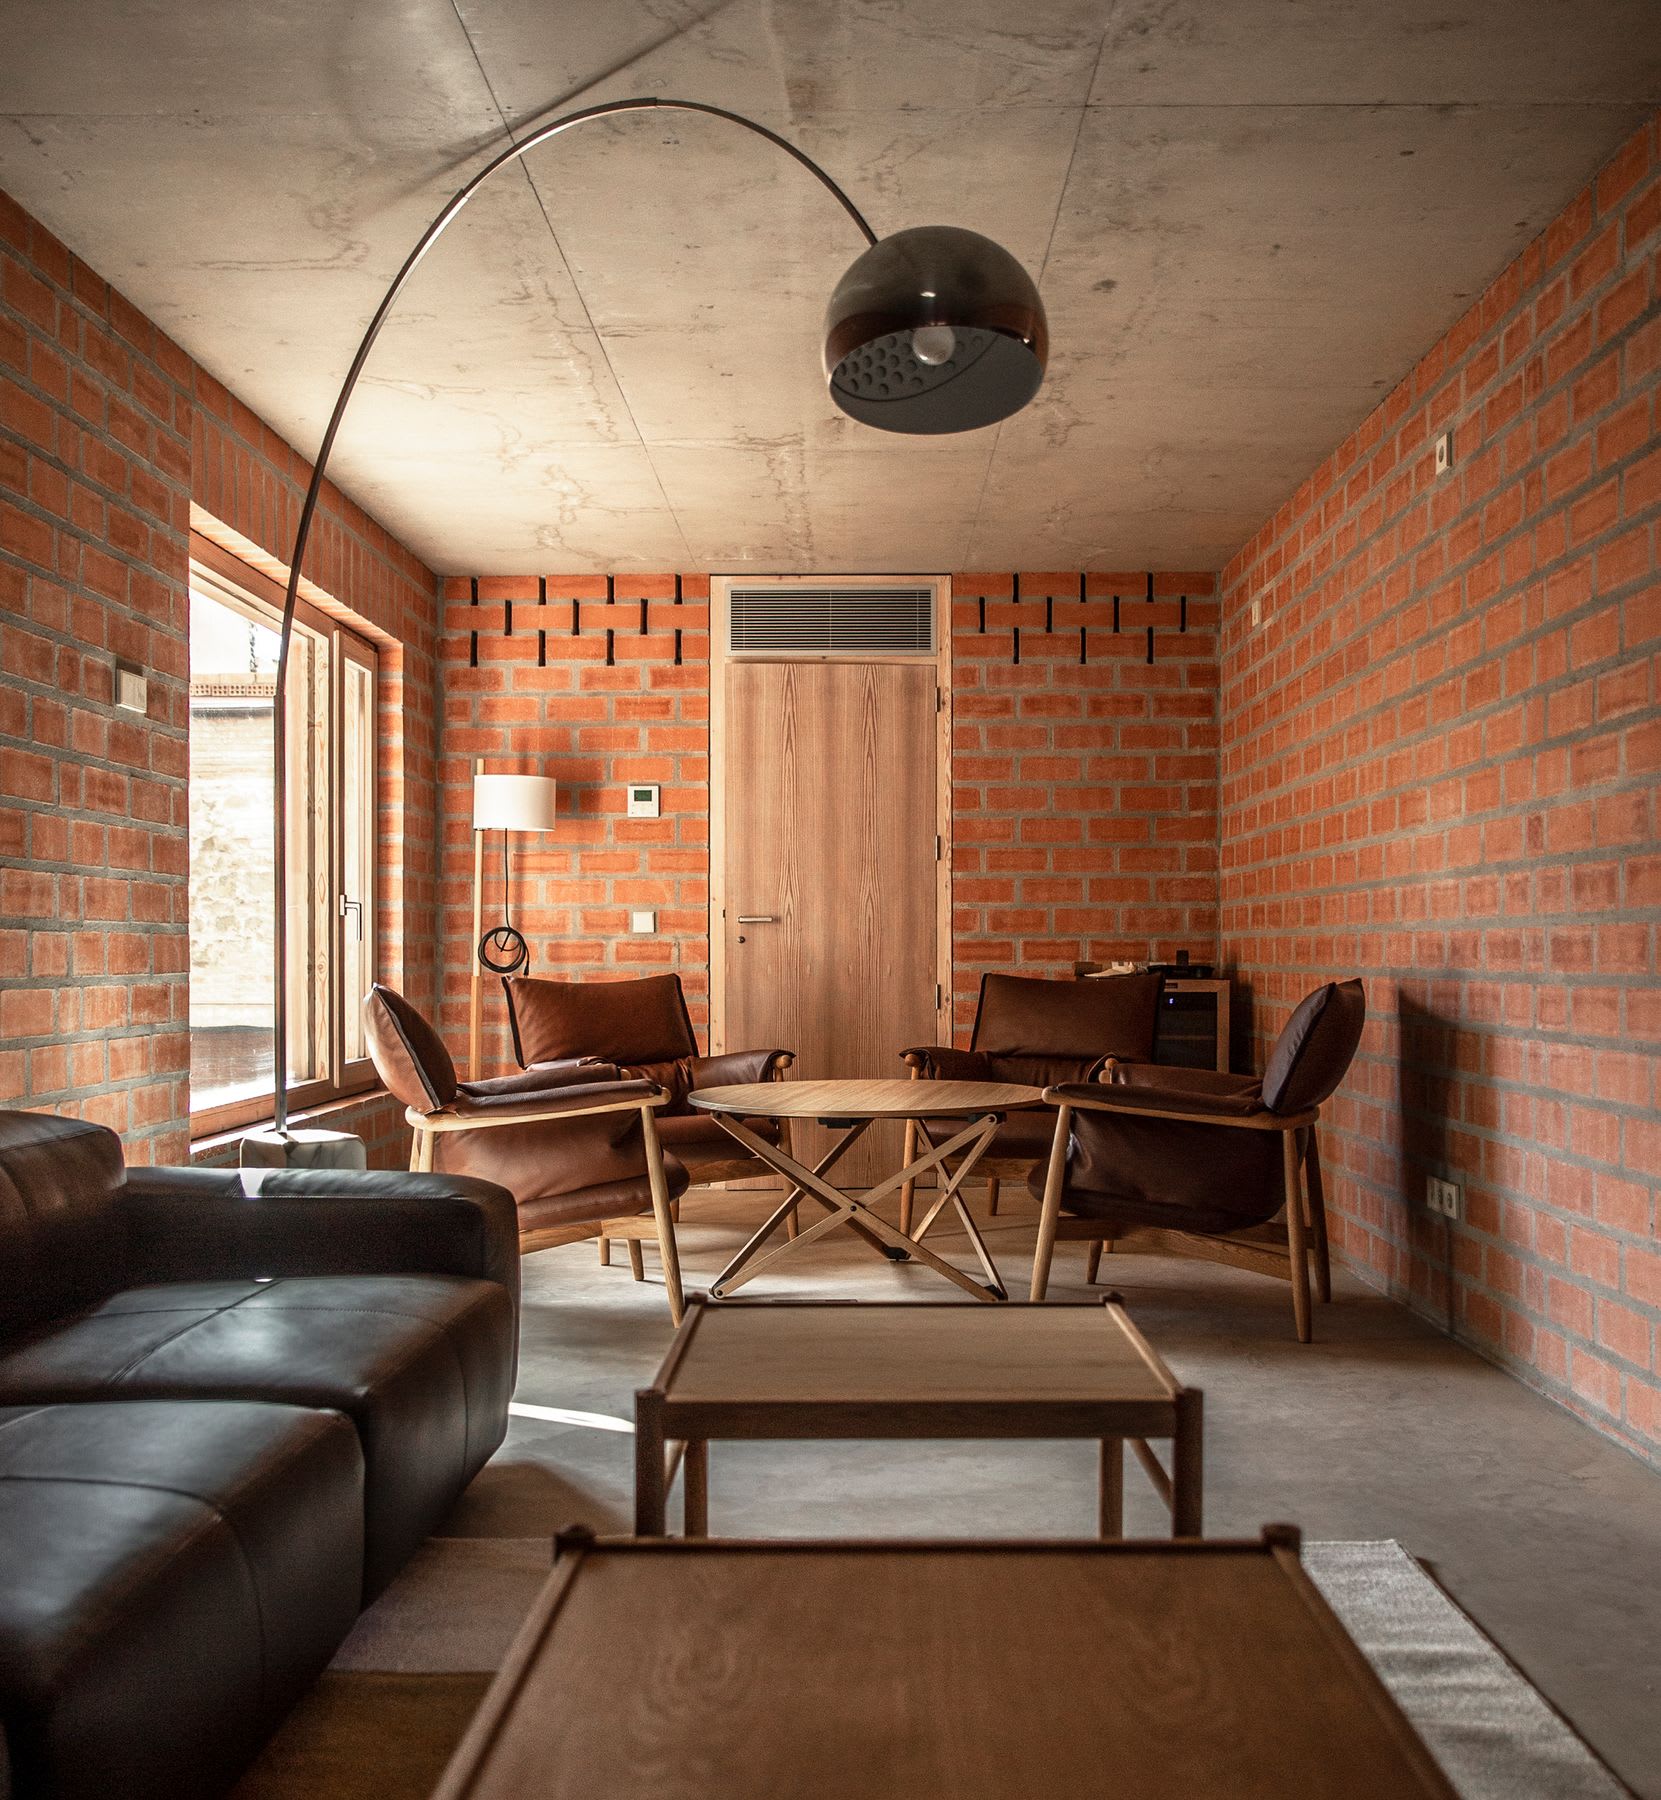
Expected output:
(720, 610)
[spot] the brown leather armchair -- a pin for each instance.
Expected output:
(1187, 1162)
(1035, 1032)
(643, 1028)
(574, 1143)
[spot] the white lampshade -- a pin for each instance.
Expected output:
(514, 802)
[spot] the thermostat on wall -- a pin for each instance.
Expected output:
(643, 801)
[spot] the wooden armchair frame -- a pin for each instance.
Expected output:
(1265, 1249)
(661, 1222)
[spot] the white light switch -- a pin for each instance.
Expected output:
(642, 921)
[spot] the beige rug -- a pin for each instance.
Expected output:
(390, 1709)
(383, 1720)
(366, 1736)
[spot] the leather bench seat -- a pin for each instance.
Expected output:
(204, 1472)
(421, 1364)
(176, 1576)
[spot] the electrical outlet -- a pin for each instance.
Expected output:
(1444, 1197)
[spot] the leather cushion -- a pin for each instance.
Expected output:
(673, 1075)
(697, 1137)
(1133, 1171)
(62, 1231)
(172, 1578)
(1313, 1054)
(527, 1084)
(632, 1022)
(199, 1224)
(409, 1056)
(1111, 1015)
(1159, 1088)
(940, 1062)
(734, 1068)
(421, 1364)
(561, 1170)
(1041, 1071)
(1023, 1135)
(612, 1200)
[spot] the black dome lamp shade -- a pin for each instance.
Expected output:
(934, 330)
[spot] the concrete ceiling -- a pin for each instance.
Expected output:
(1247, 217)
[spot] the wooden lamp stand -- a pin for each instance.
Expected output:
(504, 803)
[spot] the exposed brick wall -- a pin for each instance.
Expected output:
(1439, 755)
(1084, 796)
(94, 517)
(545, 701)
(112, 445)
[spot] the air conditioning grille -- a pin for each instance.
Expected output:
(819, 621)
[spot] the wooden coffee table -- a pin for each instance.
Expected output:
(830, 1369)
(852, 1107)
(658, 1669)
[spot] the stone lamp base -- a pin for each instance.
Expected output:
(303, 1150)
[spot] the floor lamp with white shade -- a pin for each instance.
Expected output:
(931, 330)
(504, 803)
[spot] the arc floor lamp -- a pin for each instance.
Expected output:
(932, 330)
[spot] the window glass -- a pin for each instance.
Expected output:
(330, 853)
(357, 851)
(233, 678)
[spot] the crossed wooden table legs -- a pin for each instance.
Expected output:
(859, 1215)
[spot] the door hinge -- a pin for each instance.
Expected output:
(939, 700)
(937, 846)
(939, 997)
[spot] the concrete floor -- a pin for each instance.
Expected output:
(1547, 1535)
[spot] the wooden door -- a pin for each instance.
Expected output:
(831, 873)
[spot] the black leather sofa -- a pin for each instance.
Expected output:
(226, 1419)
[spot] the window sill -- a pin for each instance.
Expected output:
(220, 1146)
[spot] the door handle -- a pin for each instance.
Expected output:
(758, 919)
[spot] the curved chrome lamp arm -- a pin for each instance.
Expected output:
(314, 490)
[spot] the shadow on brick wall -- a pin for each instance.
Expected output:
(1242, 1014)
(1427, 1082)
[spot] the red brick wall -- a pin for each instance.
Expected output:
(94, 513)
(108, 434)
(1084, 796)
(1439, 761)
(544, 701)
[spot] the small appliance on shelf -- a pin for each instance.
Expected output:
(1191, 1027)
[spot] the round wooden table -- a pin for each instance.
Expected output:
(851, 1107)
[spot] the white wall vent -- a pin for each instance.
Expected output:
(776, 619)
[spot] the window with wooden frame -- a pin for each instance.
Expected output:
(235, 620)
